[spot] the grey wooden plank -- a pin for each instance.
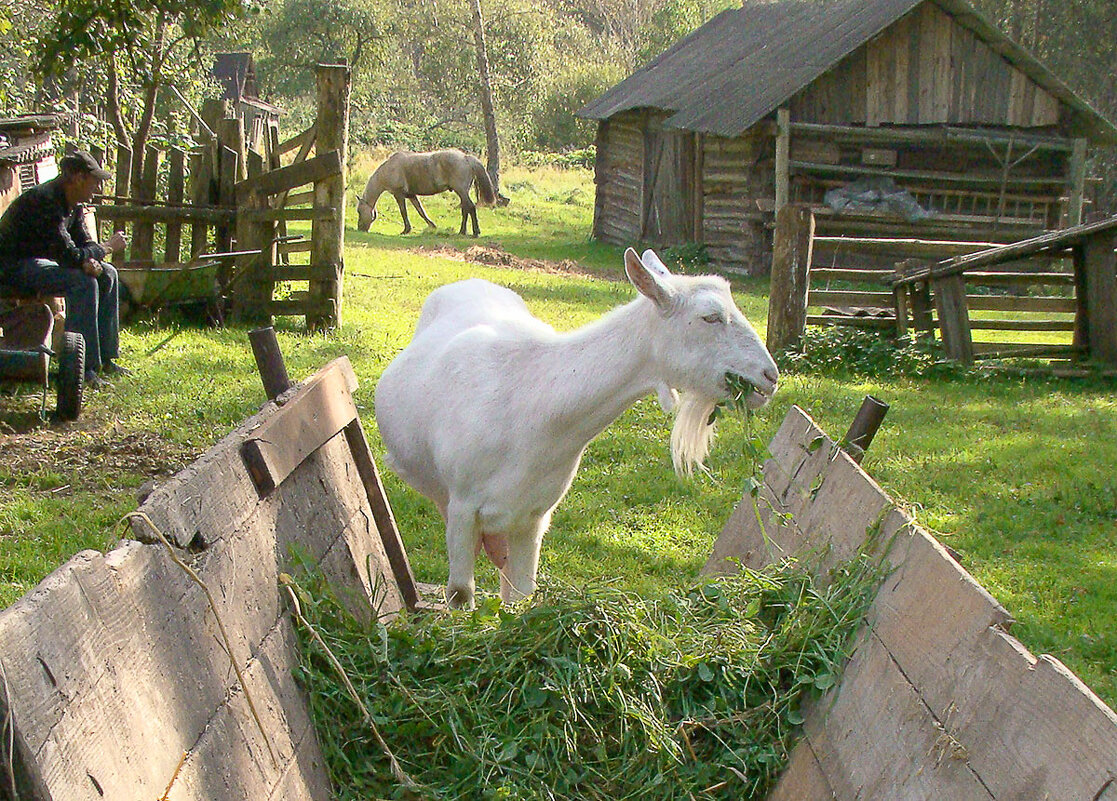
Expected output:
(875, 738)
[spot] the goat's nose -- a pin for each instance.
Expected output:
(772, 374)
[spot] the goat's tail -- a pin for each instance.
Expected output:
(486, 195)
(692, 433)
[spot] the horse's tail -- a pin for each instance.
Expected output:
(486, 196)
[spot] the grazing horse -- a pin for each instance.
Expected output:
(488, 410)
(408, 175)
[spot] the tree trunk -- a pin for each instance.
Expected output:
(487, 112)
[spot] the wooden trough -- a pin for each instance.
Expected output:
(128, 676)
(939, 701)
(123, 677)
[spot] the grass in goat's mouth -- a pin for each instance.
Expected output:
(740, 388)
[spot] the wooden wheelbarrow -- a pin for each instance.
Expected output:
(25, 354)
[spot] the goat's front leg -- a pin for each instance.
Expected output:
(517, 579)
(463, 540)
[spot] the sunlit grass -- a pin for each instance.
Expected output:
(1014, 474)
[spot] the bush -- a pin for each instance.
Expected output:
(849, 350)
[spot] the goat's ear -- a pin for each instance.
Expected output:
(654, 263)
(648, 282)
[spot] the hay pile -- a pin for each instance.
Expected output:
(584, 693)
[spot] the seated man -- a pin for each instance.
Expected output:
(46, 249)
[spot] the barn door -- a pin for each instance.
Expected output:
(669, 186)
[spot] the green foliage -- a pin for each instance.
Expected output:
(96, 29)
(857, 351)
(584, 693)
(689, 257)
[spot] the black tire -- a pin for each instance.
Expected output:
(71, 376)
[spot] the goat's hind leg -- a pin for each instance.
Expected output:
(463, 541)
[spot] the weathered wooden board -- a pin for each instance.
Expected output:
(938, 701)
(118, 678)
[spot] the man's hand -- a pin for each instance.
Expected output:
(117, 242)
(91, 267)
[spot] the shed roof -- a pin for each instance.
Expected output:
(744, 63)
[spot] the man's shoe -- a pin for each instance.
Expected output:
(92, 379)
(112, 369)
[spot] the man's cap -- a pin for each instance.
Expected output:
(81, 161)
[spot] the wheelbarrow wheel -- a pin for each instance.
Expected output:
(71, 376)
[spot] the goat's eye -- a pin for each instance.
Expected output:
(713, 318)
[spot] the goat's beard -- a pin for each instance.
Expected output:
(692, 433)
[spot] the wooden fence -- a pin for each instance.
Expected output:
(222, 202)
(1022, 292)
(938, 700)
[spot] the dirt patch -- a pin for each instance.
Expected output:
(495, 256)
(93, 450)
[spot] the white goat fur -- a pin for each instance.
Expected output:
(488, 410)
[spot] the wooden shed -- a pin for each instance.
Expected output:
(786, 101)
(236, 73)
(26, 154)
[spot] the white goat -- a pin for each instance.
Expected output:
(488, 410)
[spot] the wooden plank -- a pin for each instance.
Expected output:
(285, 178)
(1100, 284)
(166, 214)
(322, 408)
(822, 274)
(954, 318)
(316, 213)
(382, 513)
(1021, 303)
(303, 246)
(841, 297)
(1055, 240)
(981, 324)
(876, 735)
(297, 141)
(143, 233)
(853, 321)
(303, 272)
(802, 779)
(176, 190)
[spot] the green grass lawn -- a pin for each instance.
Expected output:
(1014, 474)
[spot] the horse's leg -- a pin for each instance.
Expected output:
(469, 210)
(403, 213)
(422, 212)
(463, 541)
(517, 579)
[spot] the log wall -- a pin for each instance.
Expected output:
(938, 700)
(926, 69)
(619, 175)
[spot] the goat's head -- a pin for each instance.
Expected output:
(701, 341)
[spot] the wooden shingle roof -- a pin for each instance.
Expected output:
(744, 63)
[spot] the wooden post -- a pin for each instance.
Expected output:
(269, 361)
(954, 318)
(783, 157)
(328, 236)
(1076, 183)
(1099, 268)
(791, 263)
(176, 190)
(864, 427)
(120, 189)
(143, 234)
(201, 194)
